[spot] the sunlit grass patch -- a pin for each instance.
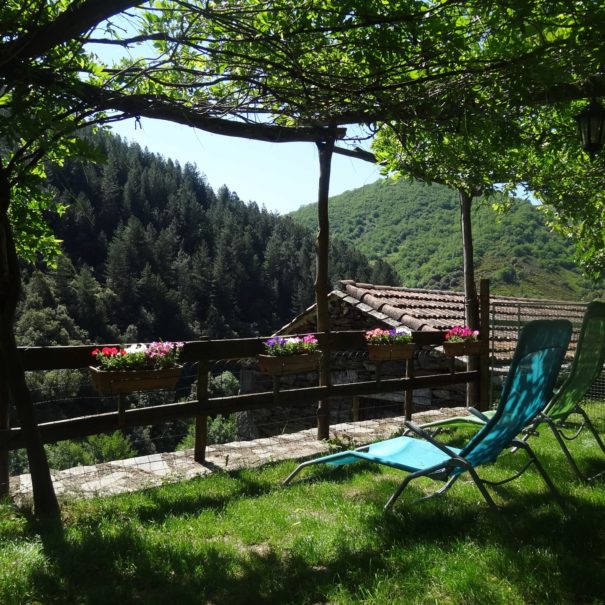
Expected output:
(20, 563)
(242, 537)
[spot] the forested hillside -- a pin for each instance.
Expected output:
(151, 251)
(415, 227)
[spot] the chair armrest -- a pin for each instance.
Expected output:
(480, 415)
(427, 437)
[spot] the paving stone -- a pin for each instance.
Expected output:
(142, 472)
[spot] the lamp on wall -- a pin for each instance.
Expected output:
(591, 124)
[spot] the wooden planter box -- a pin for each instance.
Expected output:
(115, 383)
(288, 364)
(457, 349)
(391, 352)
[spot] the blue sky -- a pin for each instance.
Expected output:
(280, 176)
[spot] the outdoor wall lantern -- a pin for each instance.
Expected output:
(591, 124)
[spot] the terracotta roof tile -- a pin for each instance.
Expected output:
(428, 310)
(421, 309)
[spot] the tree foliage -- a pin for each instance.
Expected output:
(279, 71)
(568, 182)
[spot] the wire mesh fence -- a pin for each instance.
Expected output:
(507, 318)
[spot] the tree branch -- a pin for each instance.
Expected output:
(73, 22)
(162, 109)
(357, 153)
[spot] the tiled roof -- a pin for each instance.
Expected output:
(440, 310)
(421, 309)
(418, 309)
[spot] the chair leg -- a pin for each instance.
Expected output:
(398, 491)
(480, 485)
(443, 489)
(565, 449)
(545, 477)
(296, 471)
(591, 427)
(416, 475)
(323, 460)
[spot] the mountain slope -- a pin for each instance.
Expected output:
(415, 227)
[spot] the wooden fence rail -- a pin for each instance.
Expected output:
(83, 426)
(79, 356)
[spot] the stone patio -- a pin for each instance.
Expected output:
(139, 473)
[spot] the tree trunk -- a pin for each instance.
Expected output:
(45, 500)
(4, 424)
(471, 301)
(321, 277)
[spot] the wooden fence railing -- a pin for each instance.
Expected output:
(202, 352)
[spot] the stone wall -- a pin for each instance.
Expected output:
(347, 366)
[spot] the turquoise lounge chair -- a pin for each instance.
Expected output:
(533, 371)
(586, 367)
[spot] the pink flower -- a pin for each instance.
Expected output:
(375, 333)
(461, 333)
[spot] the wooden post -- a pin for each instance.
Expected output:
(409, 395)
(355, 408)
(4, 424)
(471, 306)
(485, 378)
(321, 278)
(471, 303)
(45, 499)
(201, 420)
(122, 410)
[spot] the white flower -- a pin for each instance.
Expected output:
(138, 348)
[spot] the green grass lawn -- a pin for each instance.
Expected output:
(242, 538)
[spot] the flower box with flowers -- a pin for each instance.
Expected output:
(136, 368)
(294, 355)
(461, 340)
(389, 345)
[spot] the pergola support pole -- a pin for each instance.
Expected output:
(201, 420)
(322, 242)
(471, 301)
(485, 378)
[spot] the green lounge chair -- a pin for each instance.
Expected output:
(533, 372)
(586, 367)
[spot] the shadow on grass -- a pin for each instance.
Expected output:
(567, 550)
(192, 497)
(195, 496)
(530, 545)
(112, 550)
